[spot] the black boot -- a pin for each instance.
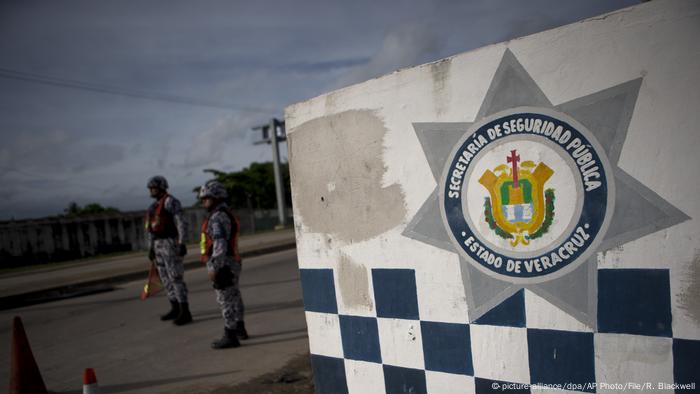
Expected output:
(174, 311)
(184, 317)
(240, 330)
(228, 340)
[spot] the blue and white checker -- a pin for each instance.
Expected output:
(498, 353)
(324, 334)
(398, 349)
(364, 377)
(561, 358)
(329, 374)
(360, 338)
(401, 342)
(686, 353)
(440, 298)
(399, 380)
(447, 347)
(540, 313)
(447, 383)
(621, 356)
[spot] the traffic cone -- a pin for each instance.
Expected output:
(90, 382)
(24, 373)
(153, 283)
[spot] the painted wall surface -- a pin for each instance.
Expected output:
(522, 214)
(48, 240)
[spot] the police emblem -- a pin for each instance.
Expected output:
(519, 200)
(529, 192)
(526, 195)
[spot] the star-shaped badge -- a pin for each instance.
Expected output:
(530, 192)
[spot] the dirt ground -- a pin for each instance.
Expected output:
(295, 377)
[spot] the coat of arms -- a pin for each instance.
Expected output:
(519, 208)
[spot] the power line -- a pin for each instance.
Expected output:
(114, 90)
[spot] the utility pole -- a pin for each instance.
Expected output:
(273, 133)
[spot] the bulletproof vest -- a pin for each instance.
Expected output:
(159, 221)
(206, 243)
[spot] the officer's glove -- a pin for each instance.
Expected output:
(181, 250)
(223, 278)
(152, 254)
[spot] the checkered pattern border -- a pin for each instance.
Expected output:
(396, 352)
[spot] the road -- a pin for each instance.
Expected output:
(132, 351)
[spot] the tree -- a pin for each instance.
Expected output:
(254, 186)
(75, 210)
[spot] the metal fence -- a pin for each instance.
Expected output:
(38, 241)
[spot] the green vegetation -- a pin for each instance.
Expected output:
(74, 210)
(549, 215)
(253, 187)
(492, 222)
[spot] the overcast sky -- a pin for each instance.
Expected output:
(64, 138)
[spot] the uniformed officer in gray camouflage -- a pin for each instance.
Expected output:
(219, 250)
(166, 229)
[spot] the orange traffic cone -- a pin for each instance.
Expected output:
(24, 373)
(90, 382)
(153, 283)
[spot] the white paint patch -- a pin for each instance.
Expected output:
(401, 343)
(500, 353)
(324, 334)
(685, 299)
(344, 149)
(354, 288)
(632, 358)
(448, 383)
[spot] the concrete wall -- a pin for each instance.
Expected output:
(48, 240)
(424, 269)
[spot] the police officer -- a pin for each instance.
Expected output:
(165, 229)
(219, 249)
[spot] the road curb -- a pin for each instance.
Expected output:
(81, 288)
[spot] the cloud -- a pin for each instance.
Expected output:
(407, 46)
(19, 147)
(97, 156)
(45, 153)
(209, 146)
(325, 66)
(161, 151)
(61, 144)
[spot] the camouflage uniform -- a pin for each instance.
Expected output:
(170, 266)
(219, 229)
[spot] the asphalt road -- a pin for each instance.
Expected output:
(132, 351)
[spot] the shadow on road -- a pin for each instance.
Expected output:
(79, 304)
(211, 314)
(276, 282)
(286, 339)
(248, 285)
(254, 338)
